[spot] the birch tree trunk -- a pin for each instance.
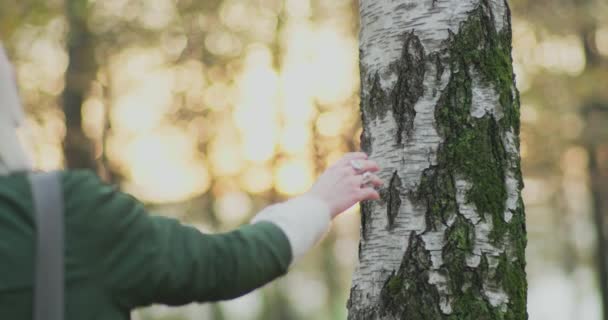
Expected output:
(440, 112)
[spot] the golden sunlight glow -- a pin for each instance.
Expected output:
(45, 41)
(157, 14)
(189, 76)
(311, 293)
(295, 139)
(190, 80)
(223, 43)
(247, 307)
(574, 162)
(164, 168)
(233, 208)
(332, 157)
(522, 77)
(524, 44)
(601, 40)
(49, 157)
(330, 124)
(294, 176)
(216, 97)
(255, 113)
(44, 139)
(529, 113)
(297, 103)
(225, 160)
(248, 112)
(562, 54)
(335, 58)
(224, 155)
(236, 15)
(257, 179)
(259, 146)
(93, 118)
(298, 8)
(298, 74)
(144, 90)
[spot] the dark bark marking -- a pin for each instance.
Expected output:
(407, 294)
(393, 200)
(406, 6)
(437, 193)
(409, 88)
(377, 104)
(366, 218)
(402, 98)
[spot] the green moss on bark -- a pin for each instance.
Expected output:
(408, 290)
(473, 150)
(437, 193)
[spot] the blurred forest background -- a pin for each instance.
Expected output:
(210, 110)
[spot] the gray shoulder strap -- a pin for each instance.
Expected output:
(49, 272)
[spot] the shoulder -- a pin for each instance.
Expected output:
(85, 187)
(97, 204)
(81, 178)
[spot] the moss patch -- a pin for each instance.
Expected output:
(472, 149)
(408, 294)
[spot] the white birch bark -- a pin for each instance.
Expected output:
(389, 31)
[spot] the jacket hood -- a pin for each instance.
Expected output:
(13, 156)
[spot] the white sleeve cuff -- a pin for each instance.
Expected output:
(304, 220)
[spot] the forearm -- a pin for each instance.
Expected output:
(201, 267)
(177, 264)
(304, 220)
(278, 236)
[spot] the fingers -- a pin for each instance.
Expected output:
(368, 194)
(366, 165)
(348, 157)
(374, 180)
(355, 155)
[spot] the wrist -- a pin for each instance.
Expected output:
(316, 203)
(304, 220)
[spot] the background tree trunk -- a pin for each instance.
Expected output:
(440, 112)
(595, 138)
(79, 150)
(599, 187)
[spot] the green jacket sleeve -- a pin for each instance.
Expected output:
(152, 259)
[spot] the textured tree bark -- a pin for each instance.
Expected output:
(440, 113)
(82, 69)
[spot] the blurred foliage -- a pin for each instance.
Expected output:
(211, 110)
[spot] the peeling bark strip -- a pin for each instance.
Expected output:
(440, 112)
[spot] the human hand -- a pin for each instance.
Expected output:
(341, 185)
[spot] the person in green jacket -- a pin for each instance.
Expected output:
(119, 257)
